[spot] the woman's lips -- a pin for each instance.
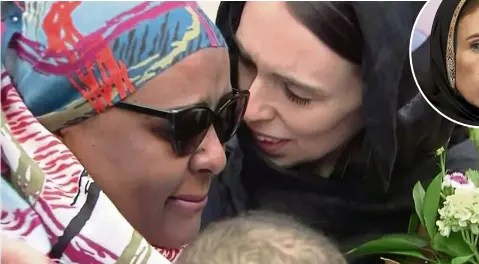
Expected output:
(187, 204)
(190, 198)
(272, 146)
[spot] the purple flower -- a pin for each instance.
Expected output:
(457, 180)
(459, 177)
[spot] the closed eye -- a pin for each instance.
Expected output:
(295, 98)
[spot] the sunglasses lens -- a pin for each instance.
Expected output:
(230, 118)
(192, 128)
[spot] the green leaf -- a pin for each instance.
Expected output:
(390, 243)
(418, 194)
(413, 224)
(406, 259)
(473, 175)
(453, 245)
(410, 253)
(462, 260)
(431, 205)
(474, 136)
(443, 260)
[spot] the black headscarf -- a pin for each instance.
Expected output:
(443, 94)
(400, 127)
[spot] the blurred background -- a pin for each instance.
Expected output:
(424, 23)
(210, 8)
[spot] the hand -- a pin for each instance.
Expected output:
(19, 252)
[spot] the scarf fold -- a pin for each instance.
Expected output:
(444, 94)
(63, 62)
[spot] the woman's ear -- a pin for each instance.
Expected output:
(59, 134)
(63, 133)
(68, 133)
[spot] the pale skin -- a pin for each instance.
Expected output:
(301, 90)
(467, 57)
(137, 169)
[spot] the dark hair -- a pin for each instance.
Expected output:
(335, 23)
(261, 237)
(469, 7)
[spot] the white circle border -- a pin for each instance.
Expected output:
(428, 57)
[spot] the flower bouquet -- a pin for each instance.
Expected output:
(445, 226)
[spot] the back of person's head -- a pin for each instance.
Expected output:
(261, 238)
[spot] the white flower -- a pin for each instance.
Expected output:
(457, 180)
(444, 229)
(460, 212)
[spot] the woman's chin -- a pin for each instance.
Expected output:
(176, 233)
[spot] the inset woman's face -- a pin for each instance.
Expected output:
(137, 167)
(305, 99)
(467, 56)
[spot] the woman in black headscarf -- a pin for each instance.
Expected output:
(455, 61)
(349, 145)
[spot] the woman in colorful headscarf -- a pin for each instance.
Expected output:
(455, 61)
(113, 120)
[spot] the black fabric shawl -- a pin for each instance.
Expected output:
(400, 127)
(446, 98)
(369, 194)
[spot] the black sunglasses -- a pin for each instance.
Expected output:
(188, 126)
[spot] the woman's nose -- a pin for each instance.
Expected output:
(210, 156)
(259, 106)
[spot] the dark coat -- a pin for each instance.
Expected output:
(371, 193)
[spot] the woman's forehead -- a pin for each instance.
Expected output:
(277, 43)
(468, 26)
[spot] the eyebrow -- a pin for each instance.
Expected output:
(475, 35)
(300, 85)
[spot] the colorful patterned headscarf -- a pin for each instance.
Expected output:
(63, 62)
(72, 60)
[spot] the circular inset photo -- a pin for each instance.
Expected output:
(448, 32)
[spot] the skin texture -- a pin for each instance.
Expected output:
(467, 56)
(331, 113)
(15, 251)
(138, 169)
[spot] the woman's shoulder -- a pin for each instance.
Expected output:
(461, 155)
